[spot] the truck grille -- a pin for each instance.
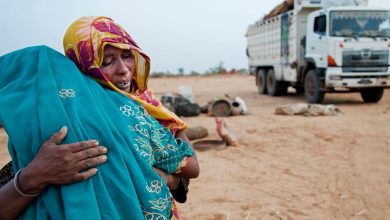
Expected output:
(365, 61)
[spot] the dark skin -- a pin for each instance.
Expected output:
(119, 66)
(55, 165)
(191, 171)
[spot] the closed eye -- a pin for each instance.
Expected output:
(127, 54)
(107, 61)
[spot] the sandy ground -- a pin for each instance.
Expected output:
(287, 167)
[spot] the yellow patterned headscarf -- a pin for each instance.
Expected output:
(84, 43)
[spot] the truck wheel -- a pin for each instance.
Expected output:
(372, 95)
(312, 84)
(261, 81)
(274, 87)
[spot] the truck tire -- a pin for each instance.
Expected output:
(313, 93)
(261, 81)
(372, 95)
(275, 87)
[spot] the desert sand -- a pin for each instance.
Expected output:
(286, 167)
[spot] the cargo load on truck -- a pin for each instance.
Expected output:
(320, 47)
(283, 7)
(288, 5)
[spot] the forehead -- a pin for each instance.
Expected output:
(110, 50)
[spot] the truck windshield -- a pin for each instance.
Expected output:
(360, 23)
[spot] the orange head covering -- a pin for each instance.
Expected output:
(84, 43)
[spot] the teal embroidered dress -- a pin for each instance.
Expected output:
(40, 91)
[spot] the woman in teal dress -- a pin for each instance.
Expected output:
(41, 90)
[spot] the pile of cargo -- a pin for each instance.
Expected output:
(288, 5)
(285, 6)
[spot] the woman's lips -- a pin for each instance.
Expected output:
(123, 85)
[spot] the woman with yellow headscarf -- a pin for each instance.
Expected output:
(98, 46)
(91, 43)
(84, 43)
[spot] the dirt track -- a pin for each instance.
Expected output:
(288, 167)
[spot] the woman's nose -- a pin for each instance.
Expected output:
(122, 67)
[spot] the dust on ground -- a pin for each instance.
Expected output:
(287, 167)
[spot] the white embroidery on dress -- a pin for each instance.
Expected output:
(142, 120)
(127, 110)
(161, 134)
(144, 149)
(155, 186)
(66, 93)
(152, 141)
(148, 215)
(162, 152)
(138, 128)
(141, 110)
(160, 204)
(160, 144)
(153, 216)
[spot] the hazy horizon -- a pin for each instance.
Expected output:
(193, 35)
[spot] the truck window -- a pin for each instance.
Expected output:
(359, 24)
(320, 25)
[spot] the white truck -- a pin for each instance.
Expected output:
(320, 47)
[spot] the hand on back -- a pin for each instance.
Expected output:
(60, 164)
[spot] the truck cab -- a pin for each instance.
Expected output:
(347, 49)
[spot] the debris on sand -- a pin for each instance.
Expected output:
(308, 110)
(225, 133)
(196, 132)
(224, 107)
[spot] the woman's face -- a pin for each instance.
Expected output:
(119, 66)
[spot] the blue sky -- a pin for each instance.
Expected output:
(194, 35)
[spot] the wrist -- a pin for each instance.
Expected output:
(30, 182)
(173, 182)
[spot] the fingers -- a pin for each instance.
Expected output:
(91, 152)
(81, 146)
(89, 165)
(85, 175)
(73, 147)
(91, 162)
(59, 136)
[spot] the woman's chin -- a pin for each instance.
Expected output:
(124, 89)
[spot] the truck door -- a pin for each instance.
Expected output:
(317, 41)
